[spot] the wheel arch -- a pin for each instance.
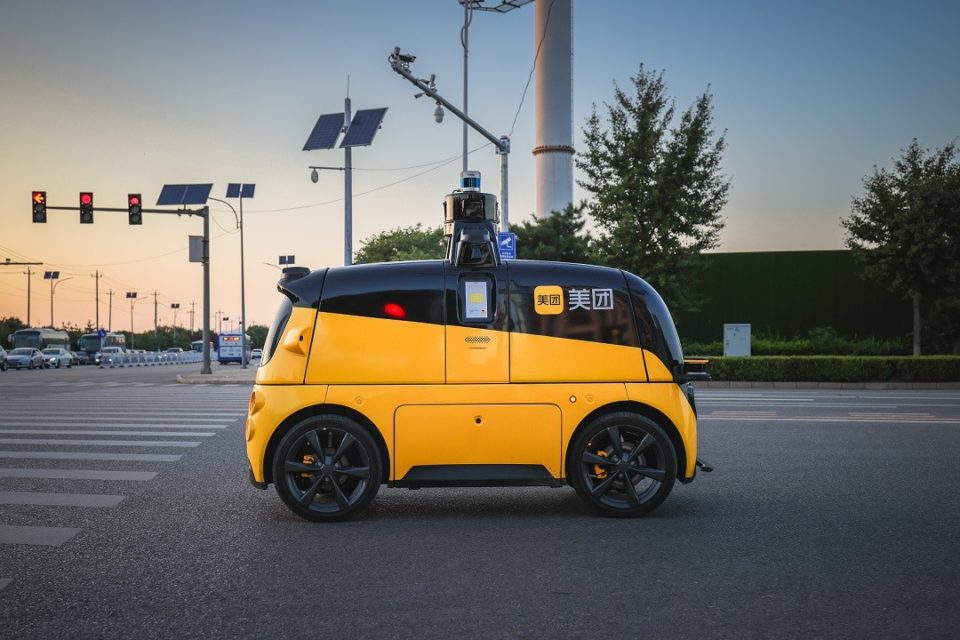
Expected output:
(319, 410)
(646, 411)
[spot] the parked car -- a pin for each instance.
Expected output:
(256, 354)
(56, 357)
(3, 359)
(109, 357)
(81, 357)
(25, 358)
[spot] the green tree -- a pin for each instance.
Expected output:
(411, 243)
(557, 237)
(8, 326)
(258, 335)
(656, 184)
(905, 228)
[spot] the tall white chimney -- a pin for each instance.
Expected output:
(554, 106)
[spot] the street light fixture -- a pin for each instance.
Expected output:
(54, 278)
(400, 63)
(241, 191)
(132, 297)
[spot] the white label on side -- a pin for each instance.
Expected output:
(476, 297)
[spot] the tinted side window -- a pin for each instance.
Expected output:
(410, 291)
(579, 302)
(658, 333)
(276, 330)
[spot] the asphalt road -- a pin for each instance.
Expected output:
(830, 514)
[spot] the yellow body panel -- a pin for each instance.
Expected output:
(395, 373)
(434, 440)
(477, 355)
(657, 371)
(477, 434)
(272, 405)
(536, 358)
(289, 360)
(670, 400)
(354, 349)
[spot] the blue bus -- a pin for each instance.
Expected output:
(92, 343)
(229, 347)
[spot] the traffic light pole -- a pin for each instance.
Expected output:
(204, 213)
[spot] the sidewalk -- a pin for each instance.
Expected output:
(222, 374)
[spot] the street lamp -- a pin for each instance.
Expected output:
(53, 277)
(176, 307)
(241, 191)
(132, 297)
(400, 63)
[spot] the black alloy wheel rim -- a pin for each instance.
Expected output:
(623, 467)
(327, 470)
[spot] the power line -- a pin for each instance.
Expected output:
(536, 56)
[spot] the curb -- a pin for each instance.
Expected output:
(212, 379)
(868, 386)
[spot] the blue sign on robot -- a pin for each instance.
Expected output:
(507, 243)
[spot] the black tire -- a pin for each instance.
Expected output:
(336, 487)
(623, 465)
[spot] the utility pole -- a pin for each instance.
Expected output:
(96, 294)
(156, 334)
(192, 305)
(110, 313)
(28, 273)
(347, 188)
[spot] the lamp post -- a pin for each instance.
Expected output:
(132, 297)
(241, 191)
(54, 278)
(400, 63)
(176, 307)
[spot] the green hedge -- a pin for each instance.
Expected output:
(835, 369)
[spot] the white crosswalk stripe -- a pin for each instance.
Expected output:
(86, 446)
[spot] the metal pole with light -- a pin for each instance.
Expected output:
(132, 297)
(194, 194)
(358, 132)
(176, 307)
(400, 62)
(54, 278)
(241, 191)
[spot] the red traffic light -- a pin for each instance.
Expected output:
(134, 208)
(86, 207)
(39, 200)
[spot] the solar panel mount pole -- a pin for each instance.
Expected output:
(347, 192)
(205, 367)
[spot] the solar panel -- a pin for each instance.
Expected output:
(172, 194)
(363, 127)
(197, 193)
(247, 190)
(233, 190)
(182, 194)
(325, 132)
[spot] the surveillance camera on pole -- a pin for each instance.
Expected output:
(400, 63)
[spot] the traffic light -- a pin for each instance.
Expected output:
(86, 207)
(134, 208)
(39, 206)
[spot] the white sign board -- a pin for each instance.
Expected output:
(736, 339)
(476, 299)
(196, 248)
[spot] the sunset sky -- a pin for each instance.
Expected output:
(124, 96)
